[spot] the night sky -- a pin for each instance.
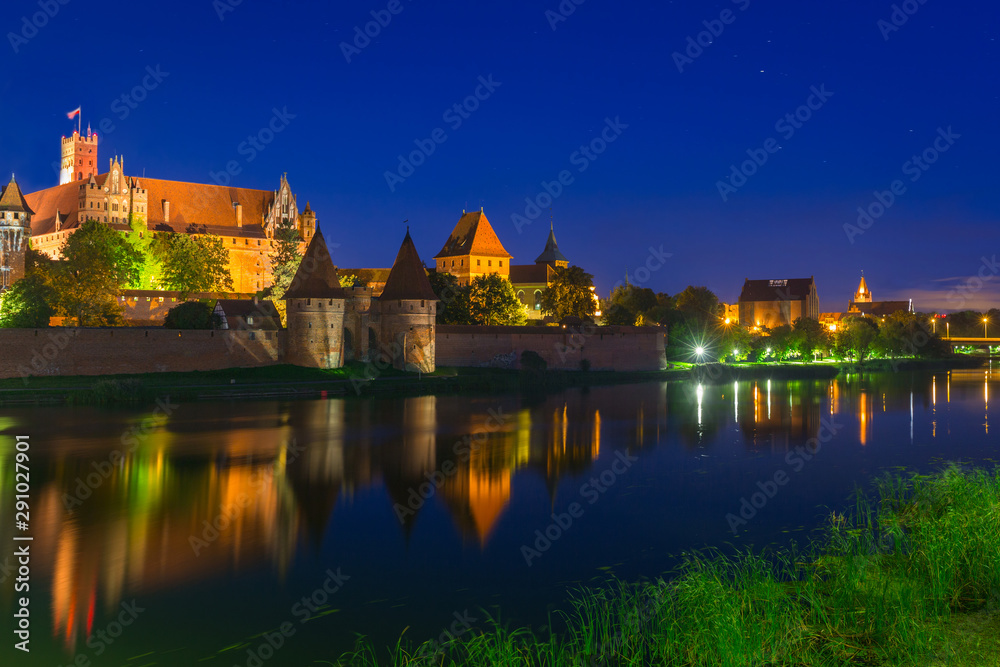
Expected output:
(887, 92)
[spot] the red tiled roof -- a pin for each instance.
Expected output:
(473, 235)
(316, 277)
(11, 199)
(196, 207)
(408, 278)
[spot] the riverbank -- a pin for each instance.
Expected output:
(356, 379)
(910, 577)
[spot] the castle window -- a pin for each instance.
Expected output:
(250, 319)
(422, 303)
(309, 302)
(453, 263)
(252, 335)
(479, 262)
(331, 302)
(310, 325)
(489, 262)
(501, 263)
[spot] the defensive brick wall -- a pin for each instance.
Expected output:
(68, 351)
(606, 348)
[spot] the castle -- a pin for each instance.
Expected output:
(245, 219)
(328, 325)
(390, 321)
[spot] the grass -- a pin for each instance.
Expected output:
(910, 577)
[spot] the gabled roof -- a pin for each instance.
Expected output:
(879, 308)
(235, 309)
(202, 206)
(408, 278)
(473, 235)
(551, 253)
(785, 289)
(11, 199)
(316, 277)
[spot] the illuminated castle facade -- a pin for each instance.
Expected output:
(245, 219)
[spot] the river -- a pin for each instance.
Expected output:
(195, 533)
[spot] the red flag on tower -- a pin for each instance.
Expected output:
(73, 114)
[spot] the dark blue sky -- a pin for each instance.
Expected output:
(655, 185)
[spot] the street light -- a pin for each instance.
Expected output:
(985, 325)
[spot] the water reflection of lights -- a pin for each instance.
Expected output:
(863, 417)
(769, 400)
(736, 403)
(700, 391)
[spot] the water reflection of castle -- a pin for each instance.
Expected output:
(203, 497)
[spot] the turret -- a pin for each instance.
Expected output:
(79, 157)
(315, 311)
(15, 229)
(409, 308)
(551, 255)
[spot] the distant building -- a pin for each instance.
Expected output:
(472, 250)
(247, 314)
(530, 280)
(772, 303)
(864, 304)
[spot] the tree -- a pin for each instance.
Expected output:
(192, 315)
(855, 338)
(453, 299)
(809, 336)
(285, 259)
(699, 304)
(780, 342)
(98, 263)
(492, 301)
(27, 304)
(627, 303)
(193, 263)
(570, 294)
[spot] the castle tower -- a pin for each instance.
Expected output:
(315, 311)
(15, 229)
(473, 250)
(79, 157)
(551, 254)
(307, 223)
(863, 295)
(408, 307)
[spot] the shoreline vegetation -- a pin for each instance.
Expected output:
(910, 576)
(356, 379)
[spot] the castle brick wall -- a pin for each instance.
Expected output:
(315, 333)
(606, 348)
(67, 351)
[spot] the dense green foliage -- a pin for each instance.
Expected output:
(191, 315)
(28, 303)
(570, 294)
(488, 300)
(453, 299)
(492, 301)
(97, 264)
(193, 263)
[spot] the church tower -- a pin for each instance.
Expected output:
(863, 295)
(551, 255)
(79, 157)
(315, 311)
(15, 229)
(409, 309)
